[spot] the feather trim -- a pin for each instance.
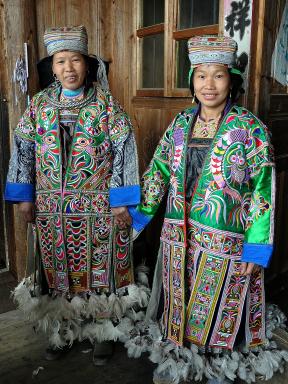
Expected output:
(181, 363)
(97, 317)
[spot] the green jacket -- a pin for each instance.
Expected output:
(231, 216)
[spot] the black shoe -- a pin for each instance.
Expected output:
(52, 354)
(102, 352)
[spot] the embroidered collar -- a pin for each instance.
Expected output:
(52, 95)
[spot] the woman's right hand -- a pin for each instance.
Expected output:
(27, 211)
(122, 217)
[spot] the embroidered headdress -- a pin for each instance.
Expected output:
(211, 49)
(66, 38)
(58, 39)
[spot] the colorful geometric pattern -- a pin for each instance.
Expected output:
(255, 311)
(209, 49)
(173, 275)
(204, 297)
(230, 308)
(81, 249)
(176, 314)
(66, 38)
(219, 241)
(220, 218)
(123, 267)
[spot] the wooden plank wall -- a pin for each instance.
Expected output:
(121, 42)
(17, 26)
(52, 13)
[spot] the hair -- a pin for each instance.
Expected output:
(88, 79)
(236, 90)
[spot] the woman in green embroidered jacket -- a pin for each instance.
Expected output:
(216, 164)
(75, 164)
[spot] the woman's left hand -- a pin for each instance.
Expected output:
(122, 217)
(247, 268)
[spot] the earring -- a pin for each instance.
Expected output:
(230, 94)
(193, 98)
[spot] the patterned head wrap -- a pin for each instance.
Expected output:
(210, 49)
(66, 39)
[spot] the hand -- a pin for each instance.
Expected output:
(27, 211)
(122, 217)
(247, 268)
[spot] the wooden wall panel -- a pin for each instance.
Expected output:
(17, 26)
(121, 38)
(148, 133)
(52, 13)
(151, 117)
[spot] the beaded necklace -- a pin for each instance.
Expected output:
(78, 103)
(203, 129)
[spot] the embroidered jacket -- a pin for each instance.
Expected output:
(230, 220)
(78, 241)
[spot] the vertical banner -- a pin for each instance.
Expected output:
(238, 25)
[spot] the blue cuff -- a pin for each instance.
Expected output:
(257, 253)
(19, 192)
(139, 221)
(124, 196)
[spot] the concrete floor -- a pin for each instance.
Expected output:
(21, 353)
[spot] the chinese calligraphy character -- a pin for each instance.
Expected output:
(238, 19)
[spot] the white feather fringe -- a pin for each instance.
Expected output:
(97, 317)
(183, 363)
(120, 317)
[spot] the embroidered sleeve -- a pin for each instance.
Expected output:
(124, 187)
(154, 183)
(20, 185)
(259, 230)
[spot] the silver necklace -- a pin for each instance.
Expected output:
(50, 98)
